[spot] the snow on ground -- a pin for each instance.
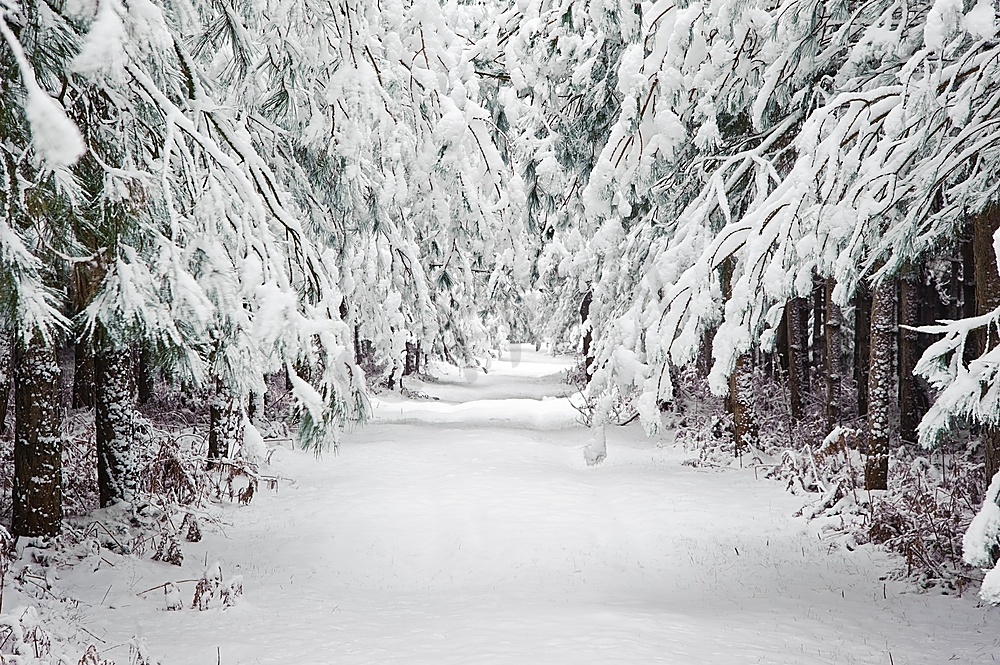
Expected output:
(470, 531)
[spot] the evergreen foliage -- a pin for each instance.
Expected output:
(238, 190)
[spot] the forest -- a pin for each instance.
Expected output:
(768, 229)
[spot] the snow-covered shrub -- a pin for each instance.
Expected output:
(621, 409)
(25, 640)
(175, 474)
(169, 550)
(213, 590)
(698, 421)
(93, 657)
(190, 528)
(925, 512)
(922, 515)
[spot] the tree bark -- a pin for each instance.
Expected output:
(588, 337)
(862, 344)
(969, 291)
(83, 377)
(740, 401)
(37, 492)
(912, 402)
(781, 344)
(833, 362)
(411, 363)
(745, 427)
(818, 312)
(226, 421)
(144, 377)
(115, 395)
(6, 376)
(796, 317)
(987, 297)
(880, 388)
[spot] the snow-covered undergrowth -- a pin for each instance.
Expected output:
(922, 516)
(468, 528)
(42, 617)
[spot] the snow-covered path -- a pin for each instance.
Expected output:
(469, 530)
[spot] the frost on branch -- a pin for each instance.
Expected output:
(56, 140)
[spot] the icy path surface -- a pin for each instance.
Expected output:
(469, 530)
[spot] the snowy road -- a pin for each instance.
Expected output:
(469, 530)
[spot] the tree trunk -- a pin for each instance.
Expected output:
(987, 297)
(781, 344)
(83, 377)
(37, 492)
(144, 378)
(588, 337)
(862, 344)
(255, 408)
(6, 376)
(818, 312)
(411, 363)
(880, 388)
(745, 428)
(833, 363)
(969, 292)
(114, 392)
(226, 422)
(796, 317)
(912, 403)
(740, 401)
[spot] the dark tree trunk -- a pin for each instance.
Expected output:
(880, 388)
(954, 291)
(411, 362)
(796, 316)
(83, 377)
(226, 421)
(987, 297)
(912, 402)
(37, 492)
(745, 428)
(144, 378)
(781, 343)
(705, 352)
(862, 344)
(818, 313)
(6, 376)
(588, 338)
(969, 291)
(740, 400)
(114, 416)
(833, 362)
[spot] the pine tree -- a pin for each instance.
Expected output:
(115, 420)
(881, 389)
(37, 492)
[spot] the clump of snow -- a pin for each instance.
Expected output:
(942, 23)
(306, 396)
(103, 53)
(172, 597)
(981, 21)
(597, 446)
(56, 140)
(253, 449)
(981, 539)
